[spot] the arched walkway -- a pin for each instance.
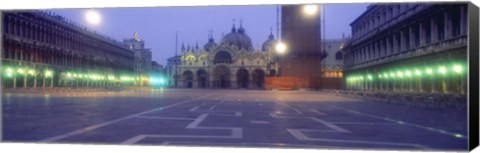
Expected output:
(258, 77)
(242, 78)
(221, 77)
(202, 77)
(188, 79)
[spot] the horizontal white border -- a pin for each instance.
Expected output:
(47, 4)
(61, 148)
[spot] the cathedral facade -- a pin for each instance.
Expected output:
(232, 63)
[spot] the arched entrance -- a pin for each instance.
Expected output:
(258, 77)
(202, 78)
(188, 79)
(221, 77)
(242, 78)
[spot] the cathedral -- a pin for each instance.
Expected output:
(231, 63)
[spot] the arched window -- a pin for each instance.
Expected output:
(222, 57)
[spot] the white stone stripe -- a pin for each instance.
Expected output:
(317, 112)
(134, 139)
(93, 127)
(165, 118)
(237, 132)
(249, 144)
(364, 123)
(330, 125)
(194, 108)
(197, 121)
(298, 134)
(294, 109)
(213, 107)
(457, 135)
(325, 123)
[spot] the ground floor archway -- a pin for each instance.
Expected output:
(221, 77)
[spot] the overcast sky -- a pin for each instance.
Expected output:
(157, 25)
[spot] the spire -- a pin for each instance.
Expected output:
(209, 33)
(241, 29)
(271, 33)
(183, 46)
(196, 46)
(241, 22)
(188, 48)
(233, 27)
(210, 36)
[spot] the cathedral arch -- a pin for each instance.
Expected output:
(202, 77)
(242, 78)
(221, 76)
(222, 57)
(188, 78)
(258, 78)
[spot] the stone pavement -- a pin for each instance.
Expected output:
(242, 118)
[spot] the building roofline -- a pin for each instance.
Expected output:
(369, 9)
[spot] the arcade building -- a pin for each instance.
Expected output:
(413, 48)
(42, 49)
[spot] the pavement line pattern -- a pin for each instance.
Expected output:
(325, 123)
(364, 123)
(294, 109)
(236, 132)
(164, 118)
(249, 144)
(93, 127)
(457, 135)
(213, 107)
(302, 137)
(317, 112)
(194, 108)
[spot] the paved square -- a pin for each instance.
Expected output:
(250, 118)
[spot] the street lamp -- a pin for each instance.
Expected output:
(310, 9)
(281, 48)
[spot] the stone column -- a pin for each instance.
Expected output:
(195, 84)
(421, 33)
(395, 43)
(433, 30)
(412, 37)
(403, 38)
(447, 25)
(387, 46)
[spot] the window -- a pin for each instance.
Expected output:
(338, 55)
(223, 57)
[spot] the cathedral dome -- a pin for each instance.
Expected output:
(269, 43)
(211, 43)
(238, 38)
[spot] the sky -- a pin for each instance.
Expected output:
(157, 25)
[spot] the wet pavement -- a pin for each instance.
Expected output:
(240, 118)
